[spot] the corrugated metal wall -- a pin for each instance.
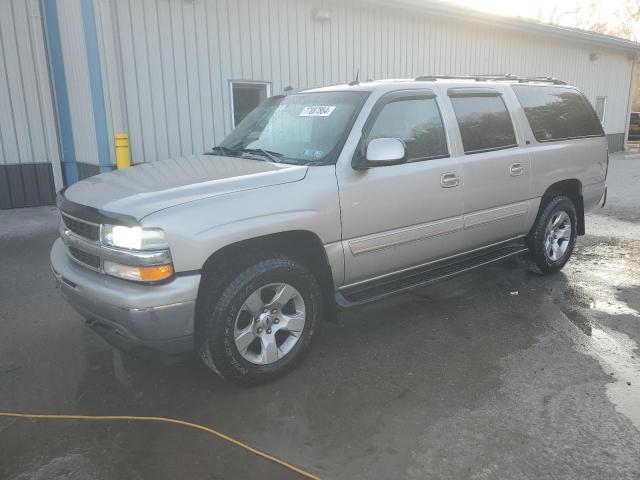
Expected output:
(168, 63)
(160, 70)
(29, 155)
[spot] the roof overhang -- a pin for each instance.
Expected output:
(447, 10)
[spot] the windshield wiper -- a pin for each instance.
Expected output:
(274, 157)
(228, 152)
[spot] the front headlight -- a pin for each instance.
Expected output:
(133, 238)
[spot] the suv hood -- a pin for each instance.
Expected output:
(149, 187)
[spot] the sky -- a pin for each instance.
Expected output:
(571, 13)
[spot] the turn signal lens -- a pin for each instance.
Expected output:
(138, 274)
(155, 274)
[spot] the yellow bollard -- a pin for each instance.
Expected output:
(123, 160)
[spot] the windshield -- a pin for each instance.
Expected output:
(306, 128)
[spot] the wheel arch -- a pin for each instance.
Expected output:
(303, 246)
(572, 188)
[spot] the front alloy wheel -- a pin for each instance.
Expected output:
(269, 323)
(258, 316)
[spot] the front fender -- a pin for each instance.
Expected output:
(199, 229)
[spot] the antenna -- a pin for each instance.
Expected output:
(356, 81)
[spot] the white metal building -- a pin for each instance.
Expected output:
(175, 75)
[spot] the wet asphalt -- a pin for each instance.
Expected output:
(496, 374)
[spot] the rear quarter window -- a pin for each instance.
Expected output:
(557, 113)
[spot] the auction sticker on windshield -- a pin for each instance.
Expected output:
(317, 111)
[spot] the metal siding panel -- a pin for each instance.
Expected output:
(35, 134)
(292, 37)
(240, 17)
(193, 78)
(13, 77)
(283, 43)
(44, 179)
(264, 46)
(217, 103)
(254, 37)
(234, 30)
(339, 47)
(226, 65)
(16, 187)
(8, 134)
(30, 183)
(156, 79)
(182, 84)
(108, 47)
(167, 67)
(130, 81)
(204, 77)
(178, 92)
(310, 51)
(5, 191)
(144, 86)
(327, 57)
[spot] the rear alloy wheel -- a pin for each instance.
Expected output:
(259, 322)
(553, 236)
(557, 236)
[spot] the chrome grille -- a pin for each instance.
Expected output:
(88, 230)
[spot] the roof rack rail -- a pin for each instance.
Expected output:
(485, 78)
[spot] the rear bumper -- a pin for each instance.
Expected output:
(128, 315)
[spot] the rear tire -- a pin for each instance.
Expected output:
(553, 236)
(248, 334)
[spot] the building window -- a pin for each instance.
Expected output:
(246, 96)
(601, 103)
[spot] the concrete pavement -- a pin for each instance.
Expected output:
(462, 380)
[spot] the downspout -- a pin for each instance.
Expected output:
(632, 82)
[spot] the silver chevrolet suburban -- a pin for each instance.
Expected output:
(324, 199)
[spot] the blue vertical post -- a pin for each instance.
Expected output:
(60, 91)
(95, 80)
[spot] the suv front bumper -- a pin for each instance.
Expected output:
(128, 315)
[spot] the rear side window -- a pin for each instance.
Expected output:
(417, 122)
(484, 123)
(557, 113)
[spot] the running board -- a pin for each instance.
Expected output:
(420, 277)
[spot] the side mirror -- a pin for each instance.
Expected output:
(381, 152)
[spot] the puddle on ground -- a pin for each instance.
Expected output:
(584, 302)
(617, 354)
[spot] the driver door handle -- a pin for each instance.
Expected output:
(448, 180)
(516, 169)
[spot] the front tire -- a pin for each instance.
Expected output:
(260, 324)
(553, 236)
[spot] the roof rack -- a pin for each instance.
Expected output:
(485, 78)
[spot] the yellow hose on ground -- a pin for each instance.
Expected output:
(173, 421)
